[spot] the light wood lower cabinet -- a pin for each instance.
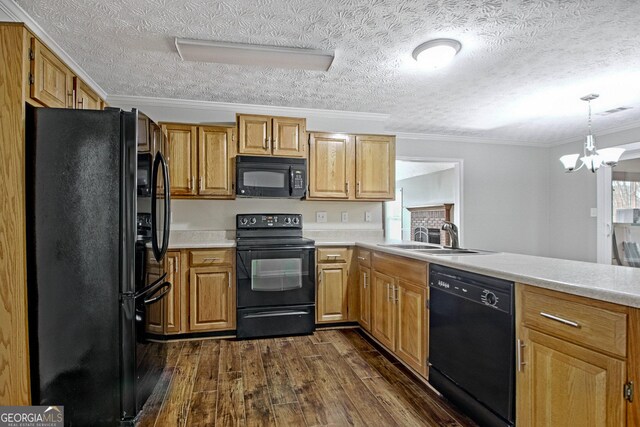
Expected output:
(397, 307)
(211, 299)
(332, 293)
(565, 375)
(173, 301)
(154, 312)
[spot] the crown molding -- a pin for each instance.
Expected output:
(242, 108)
(18, 14)
(597, 133)
(464, 139)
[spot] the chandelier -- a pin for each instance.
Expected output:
(592, 158)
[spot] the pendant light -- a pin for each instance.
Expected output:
(592, 158)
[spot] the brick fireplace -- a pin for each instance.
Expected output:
(427, 221)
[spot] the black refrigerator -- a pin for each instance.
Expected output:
(87, 345)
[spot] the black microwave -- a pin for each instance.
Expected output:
(282, 177)
(144, 174)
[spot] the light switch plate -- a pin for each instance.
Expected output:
(321, 216)
(367, 216)
(345, 217)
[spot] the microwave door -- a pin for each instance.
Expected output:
(263, 181)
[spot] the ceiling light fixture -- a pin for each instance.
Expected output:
(436, 53)
(254, 54)
(592, 158)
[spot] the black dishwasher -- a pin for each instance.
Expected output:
(472, 343)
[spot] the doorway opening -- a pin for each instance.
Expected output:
(428, 193)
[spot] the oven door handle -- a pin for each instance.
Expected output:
(276, 313)
(273, 248)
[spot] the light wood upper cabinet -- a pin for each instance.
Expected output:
(289, 137)
(271, 136)
(412, 332)
(201, 161)
(85, 97)
(51, 80)
(332, 293)
(347, 167)
(182, 148)
(563, 384)
(383, 317)
(254, 135)
(172, 311)
(364, 285)
(216, 161)
(330, 166)
(211, 299)
(375, 167)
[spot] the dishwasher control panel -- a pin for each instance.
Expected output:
(488, 291)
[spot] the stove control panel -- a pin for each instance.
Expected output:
(248, 221)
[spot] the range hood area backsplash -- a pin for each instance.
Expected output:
(220, 215)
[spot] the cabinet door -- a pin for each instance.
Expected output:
(411, 339)
(332, 293)
(364, 284)
(181, 146)
(172, 318)
(86, 99)
(375, 167)
(52, 80)
(330, 166)
(216, 158)
(289, 137)
(211, 299)
(383, 310)
(562, 384)
(154, 312)
(254, 135)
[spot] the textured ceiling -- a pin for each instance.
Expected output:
(518, 77)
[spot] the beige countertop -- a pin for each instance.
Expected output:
(620, 285)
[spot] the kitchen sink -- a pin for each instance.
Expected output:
(408, 246)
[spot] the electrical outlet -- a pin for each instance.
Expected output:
(367, 216)
(321, 216)
(345, 217)
(594, 212)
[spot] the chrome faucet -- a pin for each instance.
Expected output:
(452, 229)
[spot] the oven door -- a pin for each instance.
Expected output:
(274, 277)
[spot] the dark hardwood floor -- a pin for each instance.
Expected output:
(330, 378)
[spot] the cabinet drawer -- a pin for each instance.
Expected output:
(578, 322)
(211, 257)
(334, 255)
(403, 268)
(364, 257)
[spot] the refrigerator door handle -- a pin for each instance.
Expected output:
(153, 287)
(160, 164)
(165, 289)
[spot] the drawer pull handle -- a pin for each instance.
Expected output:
(333, 256)
(211, 259)
(519, 362)
(361, 258)
(560, 319)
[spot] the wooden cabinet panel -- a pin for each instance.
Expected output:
(562, 384)
(364, 257)
(204, 257)
(181, 146)
(595, 327)
(334, 255)
(332, 293)
(86, 98)
(411, 270)
(254, 135)
(330, 166)
(211, 299)
(412, 332)
(154, 312)
(52, 80)
(364, 284)
(375, 167)
(216, 161)
(172, 318)
(289, 137)
(383, 318)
